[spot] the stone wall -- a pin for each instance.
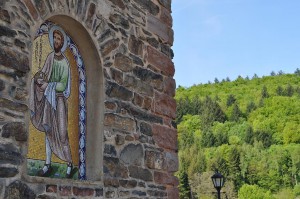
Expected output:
(133, 39)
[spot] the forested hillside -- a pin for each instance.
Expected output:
(248, 129)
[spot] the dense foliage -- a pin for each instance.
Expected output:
(247, 129)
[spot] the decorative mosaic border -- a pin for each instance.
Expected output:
(44, 28)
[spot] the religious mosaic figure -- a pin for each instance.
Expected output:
(50, 89)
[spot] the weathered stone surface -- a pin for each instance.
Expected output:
(51, 188)
(17, 190)
(171, 161)
(99, 192)
(119, 122)
(12, 105)
(13, 59)
(116, 91)
(2, 85)
(124, 193)
(105, 35)
(165, 105)
(132, 154)
(31, 8)
(139, 114)
(16, 129)
(136, 60)
(160, 61)
(20, 44)
(120, 140)
(139, 86)
(110, 150)
(9, 154)
(110, 194)
(154, 160)
(149, 6)
(90, 14)
(128, 184)
(173, 192)
(164, 178)
(117, 75)
(165, 17)
(4, 15)
(41, 7)
(7, 172)
(111, 182)
(166, 49)
(139, 193)
(146, 129)
(153, 42)
(123, 62)
(140, 173)
(5, 31)
(170, 86)
(65, 190)
(159, 28)
(142, 184)
(138, 100)
(160, 187)
(119, 20)
(44, 196)
(157, 194)
(109, 46)
(165, 137)
(110, 105)
(135, 46)
(113, 168)
(79, 191)
(166, 4)
(150, 77)
(118, 3)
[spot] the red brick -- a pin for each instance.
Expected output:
(165, 105)
(31, 8)
(160, 61)
(165, 137)
(51, 188)
(83, 191)
(169, 86)
(65, 191)
(165, 17)
(173, 193)
(165, 178)
(159, 28)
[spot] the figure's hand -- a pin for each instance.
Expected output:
(44, 86)
(40, 81)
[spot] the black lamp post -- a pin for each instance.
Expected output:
(218, 180)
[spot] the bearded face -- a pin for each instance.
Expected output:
(58, 41)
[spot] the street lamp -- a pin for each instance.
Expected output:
(218, 180)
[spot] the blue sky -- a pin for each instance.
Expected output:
(227, 38)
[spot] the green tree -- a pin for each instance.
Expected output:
(279, 91)
(264, 92)
(289, 91)
(250, 107)
(184, 186)
(253, 192)
(230, 100)
(236, 113)
(297, 72)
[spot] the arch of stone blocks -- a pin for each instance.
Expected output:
(127, 47)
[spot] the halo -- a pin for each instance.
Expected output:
(55, 27)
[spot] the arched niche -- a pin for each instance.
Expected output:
(94, 94)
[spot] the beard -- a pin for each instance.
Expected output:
(57, 48)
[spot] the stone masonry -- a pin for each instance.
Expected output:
(133, 39)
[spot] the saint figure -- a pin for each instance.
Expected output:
(50, 89)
